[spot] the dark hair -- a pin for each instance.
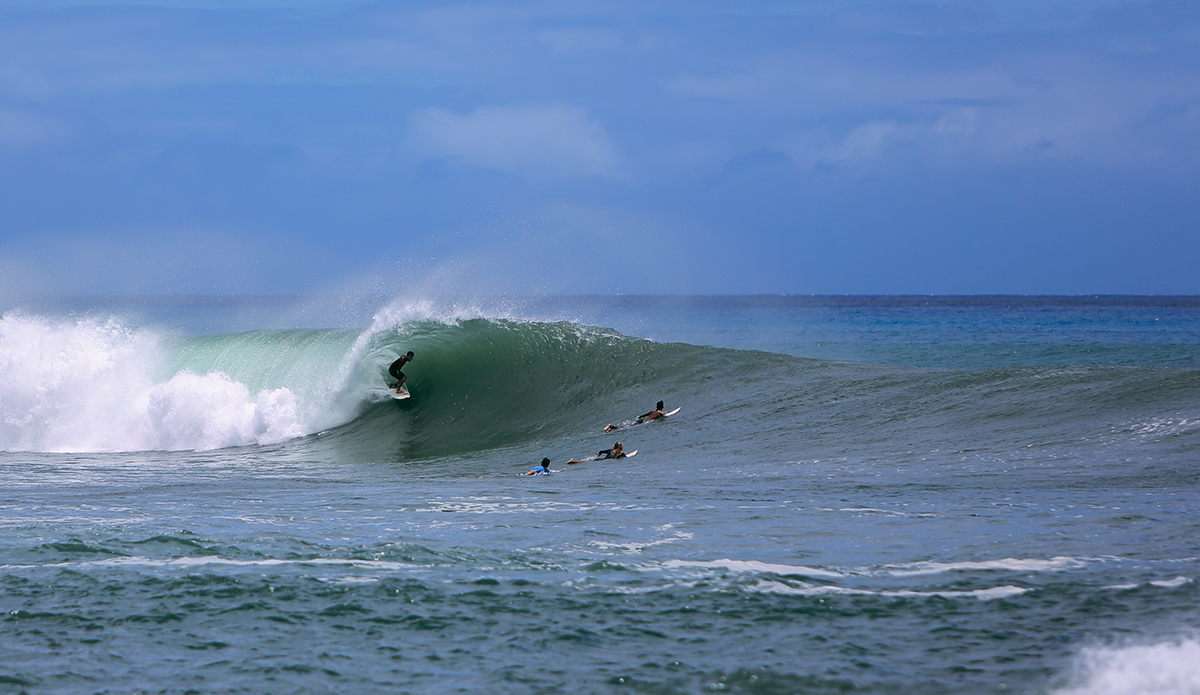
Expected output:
(410, 353)
(659, 406)
(545, 463)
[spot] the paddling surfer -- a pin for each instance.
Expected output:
(652, 415)
(543, 469)
(617, 452)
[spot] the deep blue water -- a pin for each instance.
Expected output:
(883, 495)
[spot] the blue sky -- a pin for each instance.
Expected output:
(813, 147)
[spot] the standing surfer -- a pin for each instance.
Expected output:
(397, 366)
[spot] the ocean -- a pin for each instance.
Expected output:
(894, 495)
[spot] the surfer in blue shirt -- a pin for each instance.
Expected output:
(543, 469)
(394, 370)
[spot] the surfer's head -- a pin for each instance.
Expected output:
(410, 354)
(659, 406)
(546, 463)
(618, 448)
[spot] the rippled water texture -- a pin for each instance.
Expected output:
(878, 496)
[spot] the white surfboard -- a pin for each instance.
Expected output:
(597, 458)
(631, 423)
(399, 395)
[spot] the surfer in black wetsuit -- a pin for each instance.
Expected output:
(398, 365)
(617, 452)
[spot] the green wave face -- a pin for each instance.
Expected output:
(482, 384)
(485, 384)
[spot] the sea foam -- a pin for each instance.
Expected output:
(89, 385)
(1165, 668)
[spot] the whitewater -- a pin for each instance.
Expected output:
(859, 494)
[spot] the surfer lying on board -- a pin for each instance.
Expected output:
(617, 452)
(394, 370)
(543, 469)
(644, 417)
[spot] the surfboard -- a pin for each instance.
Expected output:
(399, 395)
(597, 458)
(631, 454)
(631, 423)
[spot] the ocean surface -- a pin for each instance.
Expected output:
(891, 495)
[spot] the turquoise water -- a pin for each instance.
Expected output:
(883, 495)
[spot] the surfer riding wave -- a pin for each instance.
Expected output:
(397, 366)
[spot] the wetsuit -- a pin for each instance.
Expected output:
(394, 370)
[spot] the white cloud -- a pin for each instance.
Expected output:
(534, 140)
(1043, 103)
(865, 141)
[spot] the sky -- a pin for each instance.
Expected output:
(600, 147)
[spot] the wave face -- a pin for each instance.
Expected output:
(94, 385)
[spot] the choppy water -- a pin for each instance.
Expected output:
(946, 495)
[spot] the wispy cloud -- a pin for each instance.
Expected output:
(1019, 104)
(778, 124)
(579, 39)
(535, 140)
(22, 127)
